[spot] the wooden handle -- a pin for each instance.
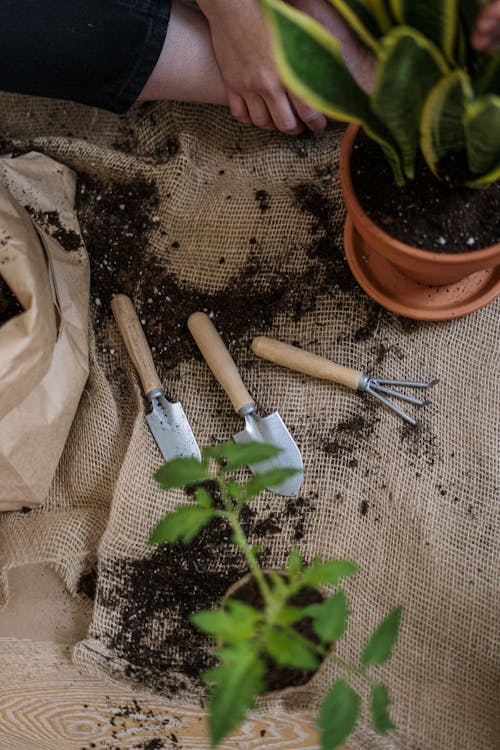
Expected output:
(135, 341)
(218, 359)
(306, 362)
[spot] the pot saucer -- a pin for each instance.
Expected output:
(387, 286)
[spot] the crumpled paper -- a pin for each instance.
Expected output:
(43, 350)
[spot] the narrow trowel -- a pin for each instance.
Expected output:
(167, 421)
(270, 429)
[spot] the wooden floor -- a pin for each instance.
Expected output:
(46, 704)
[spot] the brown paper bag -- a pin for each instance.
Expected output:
(44, 349)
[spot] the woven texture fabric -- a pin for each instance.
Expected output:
(248, 226)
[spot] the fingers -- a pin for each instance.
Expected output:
(313, 119)
(486, 37)
(259, 112)
(276, 111)
(238, 108)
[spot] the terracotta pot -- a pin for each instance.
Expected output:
(230, 593)
(366, 242)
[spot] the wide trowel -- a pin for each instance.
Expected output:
(270, 429)
(167, 421)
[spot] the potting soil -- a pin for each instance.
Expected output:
(184, 209)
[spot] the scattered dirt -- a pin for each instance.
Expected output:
(278, 677)
(9, 304)
(118, 218)
(420, 441)
(352, 435)
(133, 720)
(87, 584)
(440, 216)
(51, 223)
(153, 597)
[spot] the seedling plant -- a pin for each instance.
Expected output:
(251, 640)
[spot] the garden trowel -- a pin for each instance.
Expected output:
(270, 429)
(167, 421)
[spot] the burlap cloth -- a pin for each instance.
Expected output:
(248, 226)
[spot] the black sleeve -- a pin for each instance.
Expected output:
(98, 52)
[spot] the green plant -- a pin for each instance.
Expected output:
(251, 639)
(431, 88)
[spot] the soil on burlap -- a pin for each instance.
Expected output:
(118, 221)
(177, 580)
(9, 304)
(438, 215)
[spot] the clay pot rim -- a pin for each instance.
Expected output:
(484, 254)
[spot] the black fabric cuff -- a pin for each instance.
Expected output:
(97, 52)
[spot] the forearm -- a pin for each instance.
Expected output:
(186, 69)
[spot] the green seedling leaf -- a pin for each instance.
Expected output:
(338, 714)
(289, 616)
(216, 451)
(379, 703)
(330, 617)
(236, 490)
(183, 524)
(236, 682)
(294, 563)
(228, 626)
(203, 498)
(288, 649)
(180, 472)
(329, 572)
(237, 455)
(244, 610)
(260, 482)
(279, 585)
(383, 639)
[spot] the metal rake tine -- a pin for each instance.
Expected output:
(397, 394)
(391, 406)
(406, 383)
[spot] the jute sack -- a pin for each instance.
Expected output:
(44, 349)
(248, 226)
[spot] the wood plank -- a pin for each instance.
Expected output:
(47, 704)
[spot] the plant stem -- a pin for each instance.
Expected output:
(240, 539)
(351, 669)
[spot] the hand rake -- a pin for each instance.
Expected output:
(319, 367)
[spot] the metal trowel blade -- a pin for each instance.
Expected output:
(171, 430)
(272, 429)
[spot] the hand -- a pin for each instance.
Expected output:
(243, 52)
(486, 37)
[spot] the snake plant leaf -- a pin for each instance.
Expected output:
(436, 20)
(409, 66)
(361, 20)
(381, 13)
(441, 126)
(311, 66)
(482, 125)
(488, 81)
